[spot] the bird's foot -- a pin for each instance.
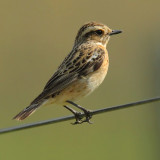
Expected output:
(87, 113)
(88, 116)
(78, 115)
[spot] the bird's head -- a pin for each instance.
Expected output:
(96, 32)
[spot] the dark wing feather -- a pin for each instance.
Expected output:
(56, 87)
(69, 72)
(94, 63)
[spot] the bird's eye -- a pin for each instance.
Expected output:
(99, 32)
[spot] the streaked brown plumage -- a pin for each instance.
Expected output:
(80, 73)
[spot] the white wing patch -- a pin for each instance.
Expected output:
(95, 55)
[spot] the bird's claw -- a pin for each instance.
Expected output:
(77, 122)
(78, 117)
(88, 117)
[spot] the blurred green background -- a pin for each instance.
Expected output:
(35, 36)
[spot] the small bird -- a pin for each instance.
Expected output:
(81, 72)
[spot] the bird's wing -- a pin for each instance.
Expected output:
(77, 63)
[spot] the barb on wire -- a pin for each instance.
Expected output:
(66, 118)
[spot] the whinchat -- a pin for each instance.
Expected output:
(81, 72)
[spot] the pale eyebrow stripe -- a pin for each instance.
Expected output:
(87, 30)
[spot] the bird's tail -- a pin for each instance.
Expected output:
(26, 112)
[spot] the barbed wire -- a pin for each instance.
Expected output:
(66, 118)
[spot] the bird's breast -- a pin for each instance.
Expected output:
(97, 77)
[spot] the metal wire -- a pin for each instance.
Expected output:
(66, 118)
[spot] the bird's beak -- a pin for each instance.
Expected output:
(115, 32)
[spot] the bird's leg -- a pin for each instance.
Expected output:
(78, 115)
(87, 113)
